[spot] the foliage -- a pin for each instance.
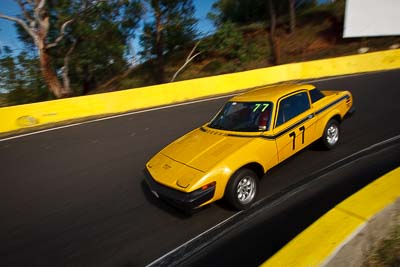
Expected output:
(21, 78)
(98, 43)
(177, 22)
(332, 9)
(241, 12)
(213, 66)
(228, 40)
(95, 42)
(249, 11)
(101, 35)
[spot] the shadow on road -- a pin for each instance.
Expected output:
(162, 205)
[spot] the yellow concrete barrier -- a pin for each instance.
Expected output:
(315, 245)
(24, 116)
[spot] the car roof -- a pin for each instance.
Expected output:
(271, 93)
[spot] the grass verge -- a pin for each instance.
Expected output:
(387, 252)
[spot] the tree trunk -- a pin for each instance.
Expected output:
(159, 45)
(292, 12)
(50, 77)
(65, 69)
(160, 63)
(276, 50)
(272, 38)
(37, 25)
(272, 17)
(87, 84)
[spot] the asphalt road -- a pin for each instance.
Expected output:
(76, 197)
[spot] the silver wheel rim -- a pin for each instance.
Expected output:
(332, 134)
(246, 190)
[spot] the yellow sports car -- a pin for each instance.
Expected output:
(252, 133)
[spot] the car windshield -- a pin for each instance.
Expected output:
(243, 117)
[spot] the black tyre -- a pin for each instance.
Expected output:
(331, 134)
(242, 189)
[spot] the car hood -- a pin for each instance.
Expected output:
(202, 149)
(171, 173)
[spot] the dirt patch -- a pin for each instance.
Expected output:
(320, 43)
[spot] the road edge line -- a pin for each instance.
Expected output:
(340, 225)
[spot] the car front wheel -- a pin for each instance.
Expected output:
(242, 189)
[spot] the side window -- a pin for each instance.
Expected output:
(292, 106)
(316, 95)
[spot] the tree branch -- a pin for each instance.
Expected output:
(65, 68)
(24, 11)
(38, 8)
(41, 4)
(42, 21)
(194, 48)
(62, 34)
(22, 24)
(189, 58)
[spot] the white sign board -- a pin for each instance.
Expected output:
(371, 18)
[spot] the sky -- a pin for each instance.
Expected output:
(202, 8)
(8, 35)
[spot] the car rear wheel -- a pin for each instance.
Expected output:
(331, 134)
(242, 189)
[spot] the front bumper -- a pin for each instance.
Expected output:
(181, 200)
